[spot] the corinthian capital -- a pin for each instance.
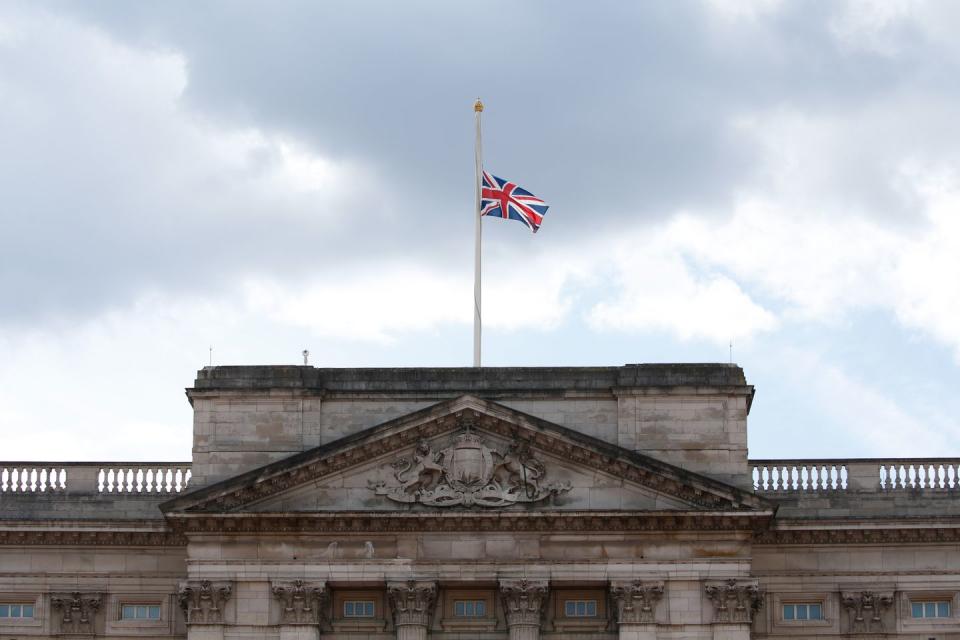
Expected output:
(77, 611)
(734, 600)
(301, 601)
(412, 601)
(523, 600)
(636, 601)
(202, 601)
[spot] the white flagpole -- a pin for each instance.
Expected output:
(478, 109)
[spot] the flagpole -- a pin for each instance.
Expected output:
(477, 109)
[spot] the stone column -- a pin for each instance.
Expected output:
(523, 604)
(635, 606)
(734, 604)
(301, 608)
(412, 603)
(203, 602)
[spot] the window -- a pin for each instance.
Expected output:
(19, 610)
(469, 608)
(802, 611)
(358, 608)
(930, 609)
(140, 612)
(580, 608)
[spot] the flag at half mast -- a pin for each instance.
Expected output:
(504, 199)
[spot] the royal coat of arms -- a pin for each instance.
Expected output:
(469, 473)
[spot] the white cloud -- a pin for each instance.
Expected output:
(659, 291)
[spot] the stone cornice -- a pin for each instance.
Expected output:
(866, 535)
(385, 439)
(92, 538)
(514, 521)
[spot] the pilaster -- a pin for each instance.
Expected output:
(412, 603)
(203, 604)
(734, 604)
(301, 608)
(523, 604)
(635, 606)
(76, 613)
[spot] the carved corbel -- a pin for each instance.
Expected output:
(203, 601)
(523, 601)
(301, 602)
(734, 601)
(636, 602)
(412, 601)
(78, 611)
(865, 609)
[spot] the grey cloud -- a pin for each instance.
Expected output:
(613, 112)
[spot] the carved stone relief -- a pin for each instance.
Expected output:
(203, 601)
(635, 602)
(524, 601)
(865, 610)
(412, 601)
(77, 612)
(469, 473)
(734, 600)
(302, 602)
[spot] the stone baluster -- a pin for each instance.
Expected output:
(301, 608)
(412, 603)
(523, 604)
(203, 604)
(635, 605)
(734, 604)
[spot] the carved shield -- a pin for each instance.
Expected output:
(468, 464)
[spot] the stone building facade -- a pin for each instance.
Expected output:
(495, 504)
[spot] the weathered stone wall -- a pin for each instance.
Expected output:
(693, 416)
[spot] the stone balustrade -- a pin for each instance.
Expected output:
(94, 477)
(855, 474)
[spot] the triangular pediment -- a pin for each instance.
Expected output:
(467, 454)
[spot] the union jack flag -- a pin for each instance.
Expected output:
(505, 199)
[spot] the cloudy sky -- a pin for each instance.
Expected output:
(265, 177)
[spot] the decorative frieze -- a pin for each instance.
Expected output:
(865, 610)
(301, 602)
(524, 601)
(412, 602)
(203, 601)
(635, 602)
(77, 612)
(734, 601)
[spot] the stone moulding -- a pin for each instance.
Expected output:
(202, 601)
(77, 612)
(523, 601)
(866, 609)
(391, 521)
(101, 538)
(412, 601)
(636, 602)
(301, 602)
(734, 601)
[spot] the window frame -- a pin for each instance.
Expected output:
(563, 622)
(453, 623)
(342, 623)
(909, 598)
(800, 603)
(21, 624)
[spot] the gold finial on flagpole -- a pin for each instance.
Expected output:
(478, 106)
